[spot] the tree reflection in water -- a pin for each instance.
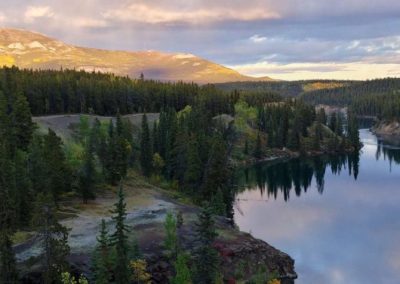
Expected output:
(296, 175)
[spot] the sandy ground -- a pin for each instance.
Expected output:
(64, 124)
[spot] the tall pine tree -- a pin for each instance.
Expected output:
(120, 240)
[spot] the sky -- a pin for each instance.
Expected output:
(285, 39)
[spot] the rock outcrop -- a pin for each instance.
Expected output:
(241, 254)
(388, 131)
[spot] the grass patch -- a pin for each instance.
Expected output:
(21, 236)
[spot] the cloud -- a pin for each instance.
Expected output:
(89, 23)
(2, 17)
(229, 32)
(257, 38)
(323, 70)
(34, 12)
(145, 13)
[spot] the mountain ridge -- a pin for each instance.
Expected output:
(32, 50)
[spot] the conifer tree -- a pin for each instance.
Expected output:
(206, 257)
(110, 155)
(217, 173)
(155, 138)
(22, 122)
(145, 148)
(339, 124)
(352, 130)
(87, 176)
(317, 136)
(120, 240)
(171, 237)
(23, 189)
(6, 130)
(217, 203)
(182, 272)
(193, 172)
(257, 153)
(123, 148)
(293, 140)
(102, 256)
(332, 122)
(321, 116)
(54, 239)
(8, 270)
(57, 171)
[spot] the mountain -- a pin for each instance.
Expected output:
(27, 49)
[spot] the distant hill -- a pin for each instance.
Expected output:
(27, 49)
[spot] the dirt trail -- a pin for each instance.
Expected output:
(64, 124)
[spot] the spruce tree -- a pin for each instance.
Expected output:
(339, 124)
(120, 240)
(352, 130)
(102, 256)
(171, 237)
(110, 167)
(145, 148)
(257, 153)
(217, 173)
(321, 116)
(57, 170)
(317, 136)
(193, 172)
(217, 203)
(8, 270)
(22, 122)
(205, 256)
(182, 271)
(23, 190)
(332, 122)
(87, 175)
(54, 238)
(7, 137)
(123, 147)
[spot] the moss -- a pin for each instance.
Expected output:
(21, 236)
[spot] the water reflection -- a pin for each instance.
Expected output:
(386, 152)
(296, 175)
(348, 234)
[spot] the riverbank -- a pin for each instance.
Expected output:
(388, 131)
(242, 255)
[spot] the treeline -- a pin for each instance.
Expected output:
(71, 91)
(284, 88)
(346, 95)
(386, 106)
(297, 126)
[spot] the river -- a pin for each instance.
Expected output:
(337, 216)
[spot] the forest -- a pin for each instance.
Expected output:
(284, 88)
(344, 96)
(190, 149)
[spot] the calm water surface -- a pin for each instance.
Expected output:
(338, 217)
